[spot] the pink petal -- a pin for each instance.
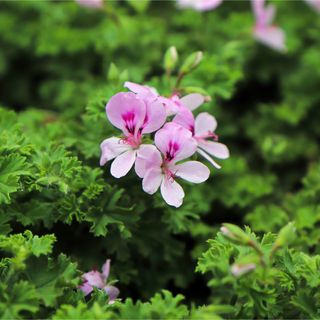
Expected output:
(205, 123)
(185, 119)
(122, 164)
(176, 141)
(272, 36)
(135, 87)
(147, 156)
(106, 270)
(172, 192)
(193, 101)
(111, 148)
(94, 279)
(126, 112)
(156, 116)
(258, 7)
(171, 105)
(193, 171)
(86, 288)
(152, 180)
(216, 149)
(112, 293)
(206, 156)
(269, 14)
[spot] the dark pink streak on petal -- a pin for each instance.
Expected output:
(173, 148)
(129, 118)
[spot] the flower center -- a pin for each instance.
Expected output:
(132, 140)
(168, 174)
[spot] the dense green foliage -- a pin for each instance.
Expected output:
(61, 214)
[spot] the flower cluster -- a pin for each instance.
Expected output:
(178, 136)
(96, 279)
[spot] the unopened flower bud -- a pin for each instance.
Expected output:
(235, 234)
(170, 59)
(191, 62)
(285, 236)
(240, 269)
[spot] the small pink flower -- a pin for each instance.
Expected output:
(134, 117)
(176, 144)
(90, 3)
(268, 34)
(203, 131)
(199, 5)
(99, 280)
(172, 104)
(315, 4)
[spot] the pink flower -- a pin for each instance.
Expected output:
(202, 129)
(176, 144)
(315, 4)
(90, 3)
(99, 280)
(173, 104)
(264, 31)
(135, 117)
(199, 5)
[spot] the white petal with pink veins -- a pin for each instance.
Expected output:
(111, 148)
(192, 101)
(193, 171)
(172, 192)
(122, 164)
(147, 156)
(216, 149)
(152, 180)
(205, 123)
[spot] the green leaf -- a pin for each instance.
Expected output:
(12, 168)
(50, 278)
(18, 300)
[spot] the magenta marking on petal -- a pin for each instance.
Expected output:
(129, 118)
(209, 135)
(173, 148)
